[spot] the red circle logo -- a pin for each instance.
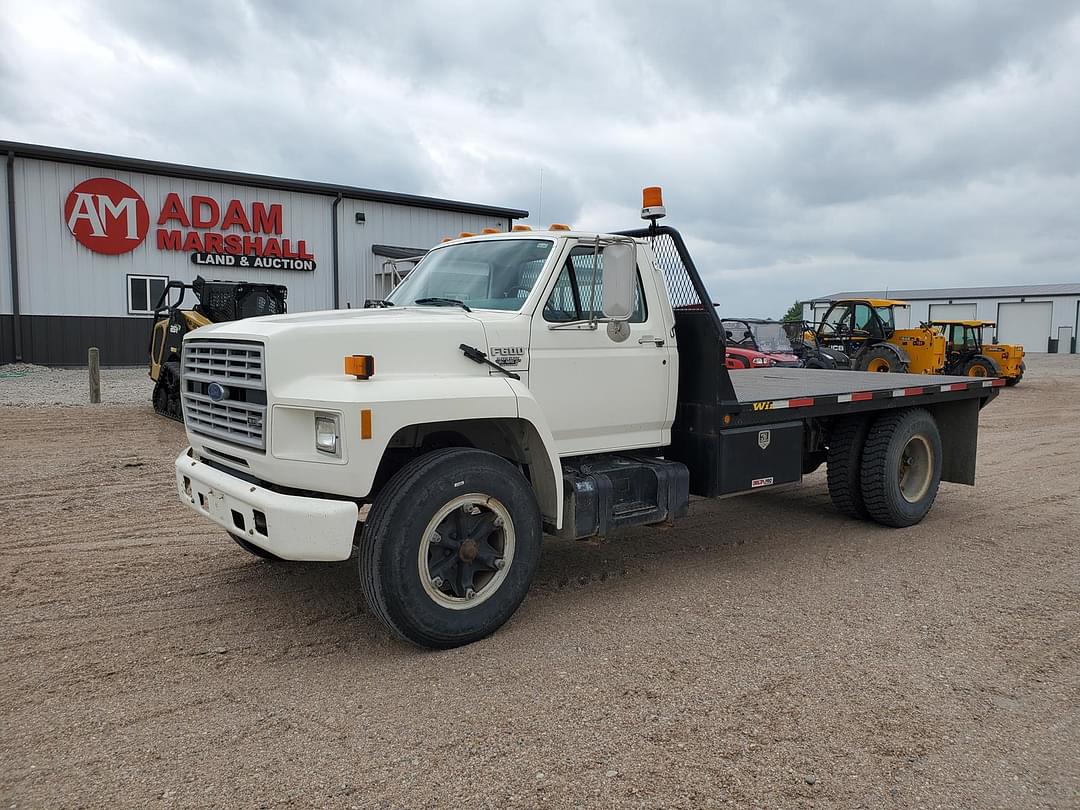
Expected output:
(106, 216)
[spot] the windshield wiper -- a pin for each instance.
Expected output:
(442, 302)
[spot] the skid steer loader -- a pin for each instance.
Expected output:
(967, 354)
(217, 301)
(864, 329)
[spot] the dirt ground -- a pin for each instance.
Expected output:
(765, 653)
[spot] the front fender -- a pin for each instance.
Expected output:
(551, 479)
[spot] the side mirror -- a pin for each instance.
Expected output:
(620, 266)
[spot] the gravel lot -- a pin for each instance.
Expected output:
(28, 385)
(767, 652)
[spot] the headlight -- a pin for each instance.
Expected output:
(326, 434)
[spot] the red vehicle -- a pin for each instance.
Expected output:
(757, 343)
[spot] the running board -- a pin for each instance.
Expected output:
(602, 494)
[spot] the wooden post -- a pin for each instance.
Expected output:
(95, 376)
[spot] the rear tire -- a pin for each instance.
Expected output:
(901, 467)
(253, 549)
(846, 440)
(880, 358)
(450, 547)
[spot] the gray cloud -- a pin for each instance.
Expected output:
(804, 146)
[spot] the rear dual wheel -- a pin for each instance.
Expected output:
(887, 469)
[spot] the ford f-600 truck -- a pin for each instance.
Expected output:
(523, 383)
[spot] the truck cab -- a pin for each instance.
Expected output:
(519, 384)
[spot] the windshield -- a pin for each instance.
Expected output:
(771, 337)
(490, 274)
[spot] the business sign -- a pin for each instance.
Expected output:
(108, 216)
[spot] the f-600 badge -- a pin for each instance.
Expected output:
(508, 355)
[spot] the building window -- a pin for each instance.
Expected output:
(144, 292)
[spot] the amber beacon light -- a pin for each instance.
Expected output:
(652, 203)
(361, 366)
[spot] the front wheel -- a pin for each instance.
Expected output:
(900, 469)
(450, 547)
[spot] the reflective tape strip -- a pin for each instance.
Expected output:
(800, 403)
(860, 396)
(913, 392)
(954, 387)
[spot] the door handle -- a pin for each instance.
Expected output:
(650, 339)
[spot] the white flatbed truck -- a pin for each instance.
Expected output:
(523, 383)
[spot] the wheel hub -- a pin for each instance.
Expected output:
(467, 551)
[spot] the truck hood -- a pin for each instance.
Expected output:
(406, 341)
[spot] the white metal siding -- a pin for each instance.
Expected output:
(1025, 323)
(396, 225)
(58, 276)
(953, 312)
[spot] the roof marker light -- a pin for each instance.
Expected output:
(465, 235)
(558, 226)
(491, 230)
(520, 228)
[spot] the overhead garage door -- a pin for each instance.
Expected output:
(952, 312)
(1025, 323)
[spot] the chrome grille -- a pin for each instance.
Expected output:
(237, 366)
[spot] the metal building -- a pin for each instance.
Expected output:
(1040, 317)
(88, 241)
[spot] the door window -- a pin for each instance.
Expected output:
(578, 291)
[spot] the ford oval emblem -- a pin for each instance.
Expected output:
(216, 392)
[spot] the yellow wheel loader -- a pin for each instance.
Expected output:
(217, 301)
(864, 330)
(967, 354)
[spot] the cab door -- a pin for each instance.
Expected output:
(602, 387)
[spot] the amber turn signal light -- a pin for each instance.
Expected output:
(361, 366)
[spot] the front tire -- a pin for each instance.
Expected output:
(450, 547)
(900, 469)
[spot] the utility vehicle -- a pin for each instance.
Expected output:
(527, 383)
(215, 302)
(967, 354)
(757, 343)
(864, 329)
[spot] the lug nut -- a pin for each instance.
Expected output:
(436, 538)
(437, 582)
(500, 564)
(498, 522)
(470, 594)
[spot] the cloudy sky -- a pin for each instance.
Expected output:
(804, 147)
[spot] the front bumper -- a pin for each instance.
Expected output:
(290, 526)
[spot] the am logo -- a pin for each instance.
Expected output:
(106, 215)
